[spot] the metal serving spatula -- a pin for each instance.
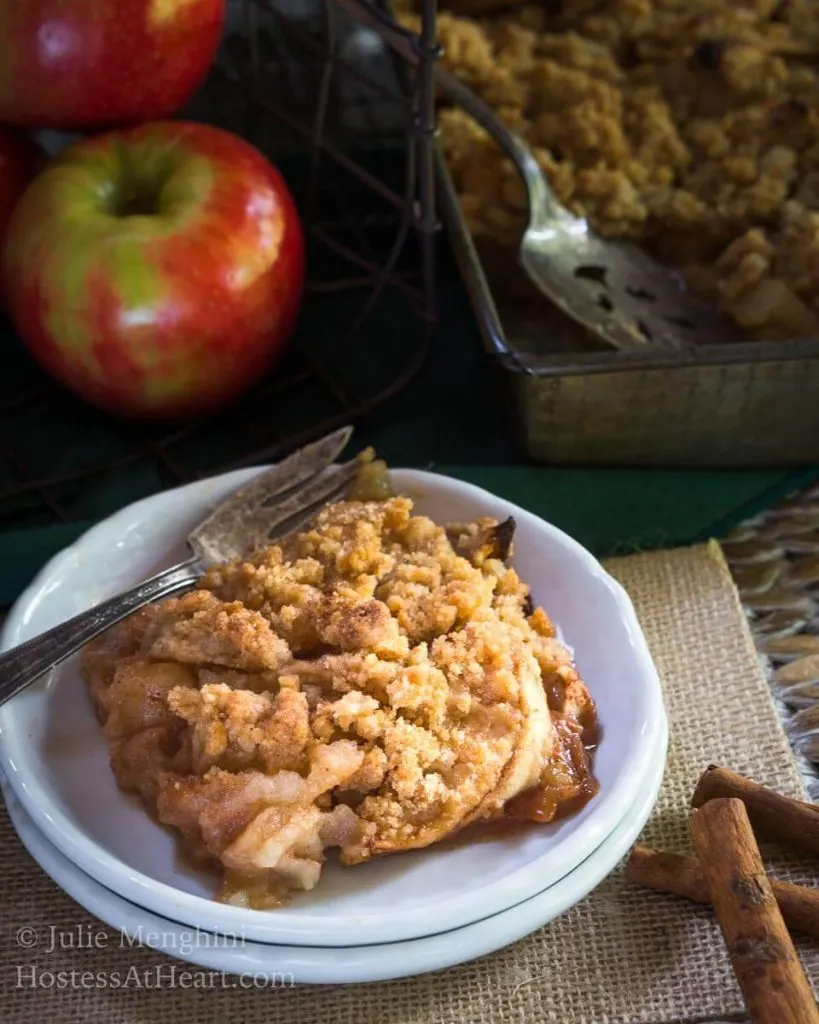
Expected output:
(273, 504)
(611, 288)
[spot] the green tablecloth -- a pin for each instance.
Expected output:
(606, 510)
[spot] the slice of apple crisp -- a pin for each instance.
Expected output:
(374, 683)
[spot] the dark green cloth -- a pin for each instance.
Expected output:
(613, 511)
(608, 511)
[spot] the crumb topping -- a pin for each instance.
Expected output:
(691, 128)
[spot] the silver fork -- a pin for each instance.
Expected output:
(273, 504)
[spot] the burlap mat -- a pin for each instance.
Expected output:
(623, 955)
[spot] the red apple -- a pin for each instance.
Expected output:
(157, 270)
(20, 159)
(85, 63)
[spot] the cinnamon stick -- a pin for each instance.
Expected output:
(773, 815)
(682, 876)
(765, 963)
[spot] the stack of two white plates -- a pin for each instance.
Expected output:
(402, 915)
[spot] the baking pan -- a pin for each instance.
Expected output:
(739, 404)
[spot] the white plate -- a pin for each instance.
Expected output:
(327, 966)
(56, 760)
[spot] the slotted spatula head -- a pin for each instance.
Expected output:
(612, 288)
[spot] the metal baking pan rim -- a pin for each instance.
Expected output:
(731, 354)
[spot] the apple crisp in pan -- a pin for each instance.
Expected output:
(690, 126)
(375, 683)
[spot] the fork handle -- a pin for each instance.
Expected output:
(22, 665)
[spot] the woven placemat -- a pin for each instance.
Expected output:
(774, 559)
(622, 956)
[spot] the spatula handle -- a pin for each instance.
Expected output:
(22, 665)
(543, 204)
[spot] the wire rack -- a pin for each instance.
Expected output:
(350, 127)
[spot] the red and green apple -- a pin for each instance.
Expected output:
(156, 271)
(101, 63)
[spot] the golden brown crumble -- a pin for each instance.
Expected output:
(374, 683)
(692, 128)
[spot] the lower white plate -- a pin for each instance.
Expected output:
(57, 763)
(344, 965)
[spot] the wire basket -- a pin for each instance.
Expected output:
(351, 129)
